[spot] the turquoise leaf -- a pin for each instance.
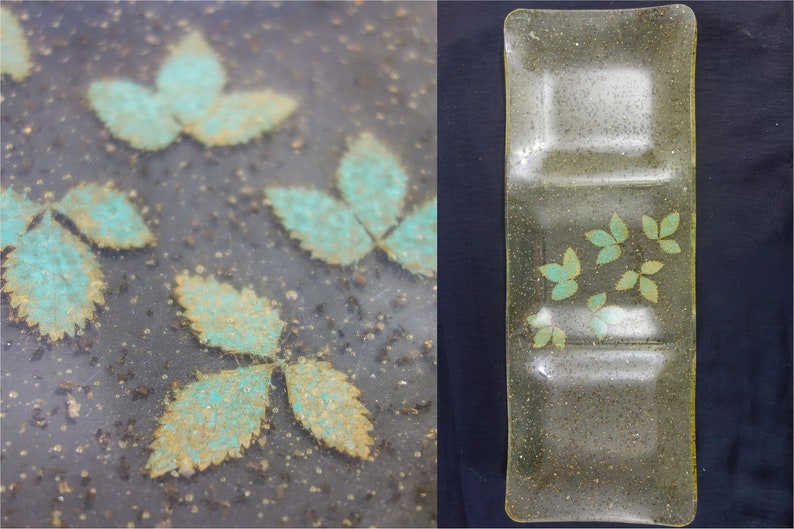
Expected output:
(323, 225)
(564, 290)
(600, 238)
(669, 246)
(571, 263)
(555, 272)
(236, 321)
(210, 420)
(105, 216)
(53, 279)
(596, 301)
(618, 228)
(608, 254)
(627, 280)
(17, 214)
(650, 228)
(325, 403)
(669, 224)
(240, 117)
(648, 289)
(191, 79)
(650, 267)
(542, 337)
(14, 50)
(372, 183)
(413, 243)
(599, 327)
(134, 114)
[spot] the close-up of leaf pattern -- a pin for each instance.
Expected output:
(647, 286)
(564, 275)
(52, 277)
(603, 315)
(188, 98)
(660, 231)
(217, 416)
(545, 330)
(373, 188)
(609, 242)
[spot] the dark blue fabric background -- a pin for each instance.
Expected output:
(744, 262)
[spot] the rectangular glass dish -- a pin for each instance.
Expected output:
(600, 216)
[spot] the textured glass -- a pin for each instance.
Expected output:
(600, 205)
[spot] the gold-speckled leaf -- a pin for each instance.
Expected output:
(373, 184)
(105, 216)
(214, 418)
(53, 279)
(14, 51)
(17, 213)
(236, 321)
(133, 113)
(327, 404)
(191, 79)
(240, 117)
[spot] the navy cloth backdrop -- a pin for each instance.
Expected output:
(744, 262)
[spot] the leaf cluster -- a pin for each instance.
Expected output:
(189, 98)
(220, 414)
(53, 279)
(373, 188)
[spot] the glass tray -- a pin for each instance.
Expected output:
(600, 206)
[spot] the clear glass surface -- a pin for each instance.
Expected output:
(600, 206)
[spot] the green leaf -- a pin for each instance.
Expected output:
(650, 228)
(564, 290)
(558, 337)
(599, 327)
(134, 114)
(554, 272)
(541, 319)
(105, 216)
(571, 263)
(596, 302)
(542, 337)
(669, 224)
(618, 228)
(321, 224)
(628, 280)
(648, 289)
(327, 404)
(413, 242)
(612, 315)
(237, 322)
(600, 238)
(191, 79)
(212, 419)
(17, 214)
(372, 183)
(651, 267)
(14, 51)
(669, 246)
(608, 254)
(53, 279)
(239, 117)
